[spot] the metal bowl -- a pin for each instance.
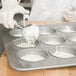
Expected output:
(52, 40)
(72, 37)
(16, 33)
(67, 29)
(22, 43)
(31, 55)
(45, 30)
(63, 52)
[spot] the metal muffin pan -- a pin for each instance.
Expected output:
(62, 53)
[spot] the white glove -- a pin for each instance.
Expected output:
(8, 11)
(70, 15)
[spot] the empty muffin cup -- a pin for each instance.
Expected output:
(22, 43)
(66, 29)
(53, 40)
(16, 32)
(72, 37)
(31, 55)
(64, 52)
(45, 30)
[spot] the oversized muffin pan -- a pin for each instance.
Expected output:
(55, 48)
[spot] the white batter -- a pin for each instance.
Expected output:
(32, 57)
(63, 55)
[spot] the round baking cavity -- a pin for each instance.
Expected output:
(32, 55)
(63, 52)
(16, 32)
(72, 37)
(47, 30)
(67, 29)
(53, 40)
(22, 43)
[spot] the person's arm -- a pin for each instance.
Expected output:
(1, 40)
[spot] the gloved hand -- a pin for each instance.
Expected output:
(70, 15)
(8, 12)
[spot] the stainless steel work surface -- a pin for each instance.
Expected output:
(56, 48)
